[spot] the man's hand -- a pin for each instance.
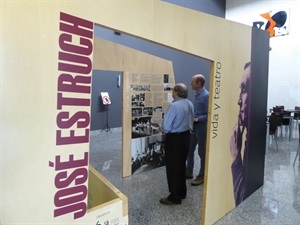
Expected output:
(236, 141)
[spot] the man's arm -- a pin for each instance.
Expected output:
(236, 141)
(205, 105)
(237, 164)
(168, 119)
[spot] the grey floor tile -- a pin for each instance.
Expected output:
(277, 202)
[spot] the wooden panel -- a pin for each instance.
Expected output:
(126, 127)
(108, 55)
(112, 56)
(101, 191)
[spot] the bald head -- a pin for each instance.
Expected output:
(181, 90)
(198, 82)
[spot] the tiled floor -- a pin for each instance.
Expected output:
(276, 203)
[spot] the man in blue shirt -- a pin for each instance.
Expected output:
(199, 129)
(176, 125)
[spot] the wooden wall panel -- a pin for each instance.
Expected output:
(112, 56)
(108, 55)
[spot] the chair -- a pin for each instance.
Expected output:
(278, 109)
(278, 120)
(298, 151)
(297, 114)
(286, 121)
(273, 124)
(286, 118)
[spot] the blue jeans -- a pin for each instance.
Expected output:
(197, 137)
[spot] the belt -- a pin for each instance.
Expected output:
(179, 132)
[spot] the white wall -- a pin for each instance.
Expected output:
(284, 64)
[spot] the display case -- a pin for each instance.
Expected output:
(105, 201)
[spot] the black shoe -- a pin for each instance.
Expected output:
(166, 201)
(183, 196)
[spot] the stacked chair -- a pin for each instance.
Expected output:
(286, 119)
(296, 116)
(278, 111)
(273, 125)
(298, 151)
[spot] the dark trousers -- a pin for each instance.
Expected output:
(198, 137)
(176, 150)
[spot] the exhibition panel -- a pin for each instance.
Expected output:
(46, 107)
